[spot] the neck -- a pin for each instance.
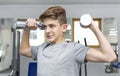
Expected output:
(59, 41)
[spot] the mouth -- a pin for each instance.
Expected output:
(49, 36)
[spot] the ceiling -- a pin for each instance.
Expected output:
(56, 2)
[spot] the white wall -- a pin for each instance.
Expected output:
(73, 11)
(25, 11)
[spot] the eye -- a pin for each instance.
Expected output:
(51, 26)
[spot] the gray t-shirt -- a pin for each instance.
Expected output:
(62, 59)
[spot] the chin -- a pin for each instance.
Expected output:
(50, 40)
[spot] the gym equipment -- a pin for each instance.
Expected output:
(16, 56)
(16, 44)
(40, 25)
(85, 64)
(32, 69)
(3, 55)
(85, 20)
(116, 65)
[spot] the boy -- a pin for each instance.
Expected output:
(56, 57)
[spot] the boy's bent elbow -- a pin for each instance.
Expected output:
(22, 52)
(25, 52)
(112, 59)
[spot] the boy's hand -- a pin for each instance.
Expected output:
(31, 23)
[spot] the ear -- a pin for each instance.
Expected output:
(64, 27)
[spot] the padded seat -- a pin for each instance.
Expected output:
(32, 69)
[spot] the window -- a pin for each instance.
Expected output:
(80, 34)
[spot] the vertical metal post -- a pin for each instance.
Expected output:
(16, 57)
(80, 72)
(85, 65)
(13, 73)
(17, 53)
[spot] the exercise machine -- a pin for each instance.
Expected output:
(16, 45)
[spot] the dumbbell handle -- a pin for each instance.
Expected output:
(40, 25)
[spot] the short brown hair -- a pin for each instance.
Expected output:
(55, 12)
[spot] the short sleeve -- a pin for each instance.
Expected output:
(80, 52)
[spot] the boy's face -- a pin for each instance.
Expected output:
(54, 32)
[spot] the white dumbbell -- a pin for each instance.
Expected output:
(85, 20)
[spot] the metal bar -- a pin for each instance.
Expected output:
(18, 55)
(13, 72)
(85, 65)
(15, 61)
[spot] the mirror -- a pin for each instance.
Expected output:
(5, 43)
